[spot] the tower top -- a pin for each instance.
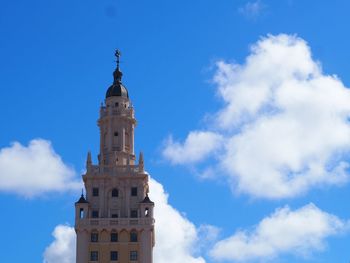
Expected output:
(117, 88)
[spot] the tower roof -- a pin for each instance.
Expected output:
(81, 200)
(147, 200)
(117, 88)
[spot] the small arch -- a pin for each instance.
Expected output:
(81, 213)
(146, 212)
(123, 235)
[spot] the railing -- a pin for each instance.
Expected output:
(128, 112)
(122, 169)
(115, 221)
(95, 169)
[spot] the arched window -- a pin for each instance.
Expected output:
(115, 192)
(133, 236)
(146, 212)
(94, 237)
(114, 237)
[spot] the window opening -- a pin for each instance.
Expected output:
(114, 237)
(95, 191)
(94, 214)
(133, 191)
(114, 255)
(133, 213)
(133, 236)
(94, 256)
(115, 192)
(94, 237)
(133, 255)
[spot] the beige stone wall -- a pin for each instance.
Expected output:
(123, 246)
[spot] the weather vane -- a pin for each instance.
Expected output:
(117, 54)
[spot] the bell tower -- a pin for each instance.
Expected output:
(114, 221)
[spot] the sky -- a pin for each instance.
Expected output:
(242, 114)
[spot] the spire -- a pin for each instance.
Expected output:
(117, 73)
(82, 198)
(88, 160)
(141, 163)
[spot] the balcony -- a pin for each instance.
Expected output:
(114, 222)
(122, 169)
(115, 170)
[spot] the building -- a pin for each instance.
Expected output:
(114, 222)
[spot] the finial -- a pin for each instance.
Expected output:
(117, 73)
(82, 192)
(117, 54)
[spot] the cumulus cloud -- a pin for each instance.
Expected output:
(62, 249)
(284, 123)
(301, 232)
(175, 244)
(197, 146)
(34, 169)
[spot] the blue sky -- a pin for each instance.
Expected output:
(177, 59)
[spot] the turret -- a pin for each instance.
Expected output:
(146, 207)
(81, 208)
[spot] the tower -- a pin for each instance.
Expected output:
(114, 222)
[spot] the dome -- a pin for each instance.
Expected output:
(117, 90)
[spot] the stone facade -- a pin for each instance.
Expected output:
(114, 222)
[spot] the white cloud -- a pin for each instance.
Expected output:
(251, 9)
(208, 236)
(34, 169)
(284, 122)
(62, 249)
(175, 244)
(197, 146)
(301, 232)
